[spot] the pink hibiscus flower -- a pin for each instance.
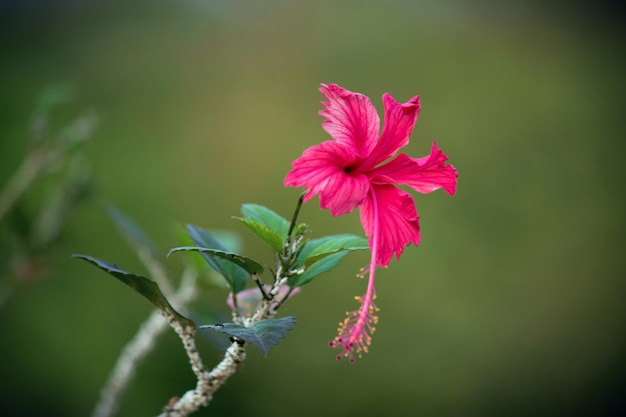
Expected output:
(350, 171)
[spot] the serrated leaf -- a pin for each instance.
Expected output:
(247, 264)
(263, 334)
(334, 244)
(271, 237)
(131, 231)
(144, 286)
(319, 267)
(234, 274)
(267, 218)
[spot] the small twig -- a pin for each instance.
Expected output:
(266, 310)
(285, 298)
(294, 218)
(259, 283)
(235, 310)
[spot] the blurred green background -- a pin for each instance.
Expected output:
(512, 304)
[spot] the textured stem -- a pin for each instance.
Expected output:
(209, 382)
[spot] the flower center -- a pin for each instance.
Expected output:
(350, 168)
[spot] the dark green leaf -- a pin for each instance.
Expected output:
(319, 267)
(270, 236)
(248, 264)
(263, 334)
(131, 231)
(144, 286)
(332, 245)
(234, 274)
(209, 276)
(231, 241)
(197, 261)
(267, 218)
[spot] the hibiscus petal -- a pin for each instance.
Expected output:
(394, 217)
(425, 174)
(321, 170)
(399, 122)
(351, 119)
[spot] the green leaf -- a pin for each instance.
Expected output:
(209, 276)
(310, 246)
(230, 240)
(198, 262)
(267, 218)
(233, 273)
(252, 267)
(131, 231)
(271, 237)
(144, 286)
(321, 255)
(263, 334)
(319, 267)
(334, 244)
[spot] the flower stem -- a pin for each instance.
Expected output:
(294, 218)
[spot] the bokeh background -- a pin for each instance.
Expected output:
(513, 304)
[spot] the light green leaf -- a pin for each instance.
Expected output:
(323, 254)
(331, 245)
(323, 265)
(144, 286)
(271, 237)
(267, 218)
(263, 334)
